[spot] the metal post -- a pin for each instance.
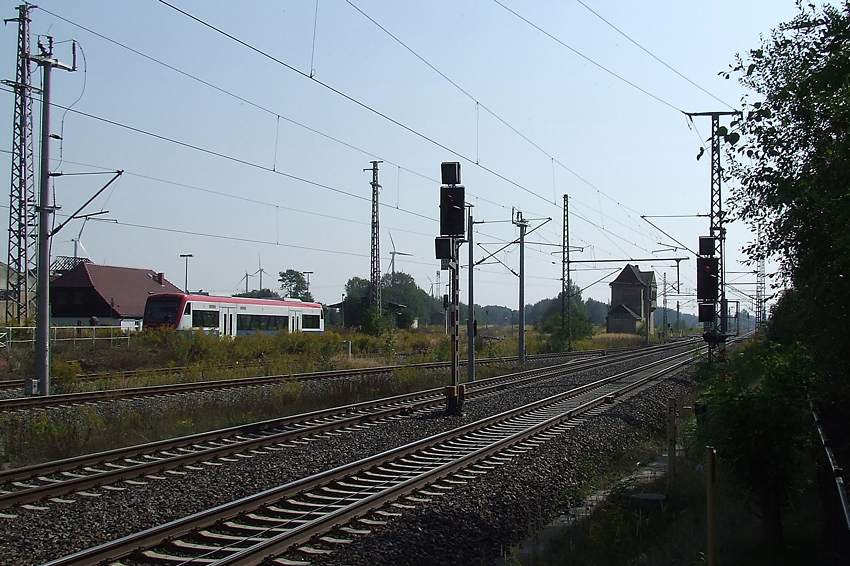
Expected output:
(523, 224)
(42, 362)
(647, 292)
(664, 309)
(710, 473)
(566, 286)
(470, 320)
(454, 311)
(671, 440)
(375, 273)
(186, 280)
(454, 392)
(678, 327)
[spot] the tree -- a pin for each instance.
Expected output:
(294, 285)
(760, 424)
(259, 294)
(401, 289)
(356, 301)
(551, 322)
(790, 154)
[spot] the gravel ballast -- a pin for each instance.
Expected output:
(485, 516)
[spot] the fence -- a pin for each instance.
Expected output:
(833, 493)
(24, 336)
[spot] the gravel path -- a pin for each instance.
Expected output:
(494, 511)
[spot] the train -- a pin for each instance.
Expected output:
(232, 316)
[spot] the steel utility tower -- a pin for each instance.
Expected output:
(566, 292)
(716, 219)
(761, 315)
(375, 295)
(23, 214)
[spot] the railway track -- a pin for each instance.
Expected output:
(331, 507)
(259, 367)
(35, 402)
(30, 484)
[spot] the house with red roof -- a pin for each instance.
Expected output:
(105, 294)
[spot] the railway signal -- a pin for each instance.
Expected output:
(446, 247)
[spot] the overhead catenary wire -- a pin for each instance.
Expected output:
(359, 103)
(279, 117)
(260, 107)
(107, 170)
(586, 58)
(603, 227)
(480, 104)
(648, 52)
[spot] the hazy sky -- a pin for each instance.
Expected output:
(265, 164)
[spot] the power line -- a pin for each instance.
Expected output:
(357, 102)
(586, 58)
(255, 105)
(226, 195)
(645, 50)
(227, 157)
(482, 105)
(278, 116)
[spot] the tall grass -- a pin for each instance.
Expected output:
(37, 436)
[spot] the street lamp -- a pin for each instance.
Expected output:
(186, 280)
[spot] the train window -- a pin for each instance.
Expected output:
(310, 321)
(161, 310)
(188, 309)
(205, 319)
(261, 322)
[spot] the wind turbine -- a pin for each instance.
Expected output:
(394, 253)
(245, 278)
(79, 242)
(260, 271)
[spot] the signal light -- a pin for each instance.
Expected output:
(443, 248)
(451, 211)
(707, 269)
(706, 245)
(450, 173)
(706, 312)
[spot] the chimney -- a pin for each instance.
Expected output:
(159, 277)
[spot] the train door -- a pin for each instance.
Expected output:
(294, 321)
(228, 321)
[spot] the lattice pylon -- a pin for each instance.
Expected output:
(23, 214)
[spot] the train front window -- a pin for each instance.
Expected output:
(161, 310)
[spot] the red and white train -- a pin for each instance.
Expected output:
(229, 316)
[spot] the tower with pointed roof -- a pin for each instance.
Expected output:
(633, 299)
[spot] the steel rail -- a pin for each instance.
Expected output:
(10, 384)
(83, 472)
(173, 530)
(36, 402)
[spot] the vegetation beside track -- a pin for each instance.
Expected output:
(767, 502)
(199, 357)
